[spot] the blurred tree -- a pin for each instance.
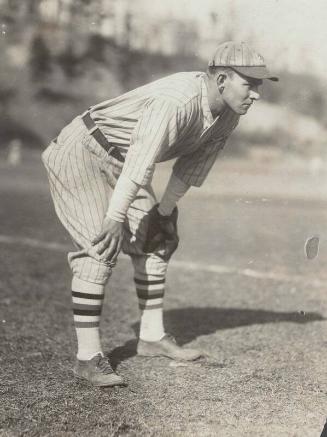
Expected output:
(318, 105)
(14, 5)
(96, 48)
(186, 38)
(300, 92)
(230, 23)
(33, 6)
(17, 11)
(128, 29)
(214, 18)
(69, 61)
(40, 58)
(6, 96)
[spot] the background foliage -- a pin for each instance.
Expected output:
(52, 72)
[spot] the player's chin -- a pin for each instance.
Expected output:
(243, 109)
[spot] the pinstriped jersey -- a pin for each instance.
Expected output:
(166, 119)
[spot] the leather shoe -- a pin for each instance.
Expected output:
(97, 371)
(166, 347)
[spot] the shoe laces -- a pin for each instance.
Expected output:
(104, 366)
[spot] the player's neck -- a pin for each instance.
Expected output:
(215, 100)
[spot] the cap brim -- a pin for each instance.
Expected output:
(260, 72)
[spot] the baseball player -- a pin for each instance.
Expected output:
(100, 169)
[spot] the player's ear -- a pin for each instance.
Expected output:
(221, 79)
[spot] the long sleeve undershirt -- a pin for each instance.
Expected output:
(174, 191)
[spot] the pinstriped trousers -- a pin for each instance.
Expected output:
(82, 177)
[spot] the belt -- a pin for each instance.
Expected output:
(100, 138)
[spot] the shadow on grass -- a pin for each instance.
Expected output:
(186, 324)
(122, 353)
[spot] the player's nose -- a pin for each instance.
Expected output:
(254, 94)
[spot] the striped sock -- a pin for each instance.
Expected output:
(150, 292)
(87, 306)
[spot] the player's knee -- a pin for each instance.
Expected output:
(150, 264)
(90, 270)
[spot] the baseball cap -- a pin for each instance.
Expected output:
(241, 58)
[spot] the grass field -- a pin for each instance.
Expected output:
(239, 288)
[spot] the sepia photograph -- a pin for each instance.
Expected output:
(163, 208)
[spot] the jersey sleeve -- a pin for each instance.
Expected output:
(156, 130)
(194, 168)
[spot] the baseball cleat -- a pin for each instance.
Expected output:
(311, 247)
(98, 372)
(166, 347)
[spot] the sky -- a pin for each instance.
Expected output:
(289, 33)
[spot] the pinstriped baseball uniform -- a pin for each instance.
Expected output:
(101, 166)
(166, 119)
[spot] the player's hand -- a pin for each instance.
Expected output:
(161, 229)
(109, 240)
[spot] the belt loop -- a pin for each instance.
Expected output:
(111, 149)
(94, 128)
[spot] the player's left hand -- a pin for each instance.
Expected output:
(109, 240)
(162, 229)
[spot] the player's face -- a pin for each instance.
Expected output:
(240, 92)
